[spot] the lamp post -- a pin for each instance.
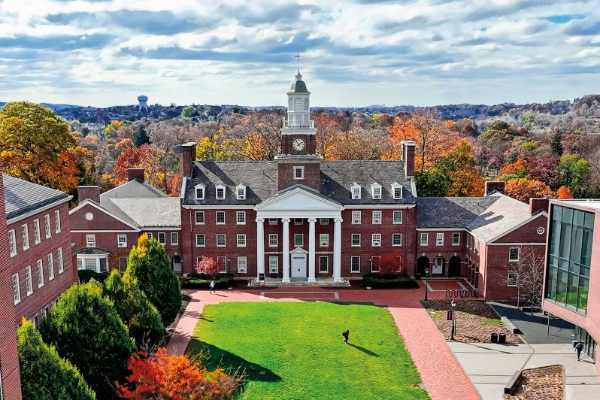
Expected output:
(425, 280)
(453, 331)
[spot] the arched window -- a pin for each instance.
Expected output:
(298, 106)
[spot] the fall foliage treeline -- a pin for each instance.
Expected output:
(453, 158)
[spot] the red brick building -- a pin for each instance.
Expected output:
(10, 382)
(105, 226)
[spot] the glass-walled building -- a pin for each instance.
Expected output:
(572, 281)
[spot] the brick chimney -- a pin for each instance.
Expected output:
(88, 193)
(536, 205)
(188, 156)
(494, 186)
(135, 173)
(408, 156)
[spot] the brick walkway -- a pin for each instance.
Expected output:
(440, 372)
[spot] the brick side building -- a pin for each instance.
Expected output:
(10, 383)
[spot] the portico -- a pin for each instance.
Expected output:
(299, 203)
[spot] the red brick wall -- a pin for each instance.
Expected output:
(101, 220)
(9, 360)
(312, 175)
(52, 289)
(310, 141)
(528, 232)
(447, 250)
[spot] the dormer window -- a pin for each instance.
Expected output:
(298, 172)
(240, 191)
(199, 189)
(376, 191)
(220, 192)
(397, 190)
(355, 189)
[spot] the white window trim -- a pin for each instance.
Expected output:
(439, 239)
(40, 271)
(200, 186)
(379, 187)
(25, 236)
(50, 263)
(198, 235)
(28, 281)
(276, 264)
(298, 235)
(224, 240)
(395, 186)
(196, 218)
(356, 221)
(241, 196)
(401, 239)
(237, 217)
(424, 242)
(88, 241)
(61, 262)
(276, 236)
(394, 213)
(323, 221)
(510, 259)
(217, 218)
(12, 243)
(273, 221)
(351, 265)
(16, 288)
(37, 236)
(162, 238)
(455, 235)
(121, 243)
(323, 243)
(514, 282)
(176, 236)
(355, 196)
(243, 270)
(376, 242)
(352, 240)
(298, 169)
(327, 264)
(219, 187)
(241, 236)
(47, 227)
(57, 221)
(374, 220)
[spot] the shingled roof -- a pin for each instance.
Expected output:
(503, 215)
(260, 178)
(22, 197)
(450, 212)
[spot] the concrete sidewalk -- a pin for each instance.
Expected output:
(490, 366)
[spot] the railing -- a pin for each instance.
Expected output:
(293, 125)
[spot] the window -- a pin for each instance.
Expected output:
(200, 241)
(298, 239)
(242, 265)
(240, 191)
(298, 172)
(28, 281)
(376, 240)
(220, 240)
(272, 221)
(355, 264)
(424, 239)
(59, 258)
(16, 289)
(376, 191)
(50, 263)
(397, 239)
(162, 238)
(199, 217)
(397, 217)
(397, 190)
(220, 217)
(25, 236)
(220, 192)
(273, 240)
(79, 263)
(439, 239)
(91, 240)
(57, 221)
(356, 217)
(513, 254)
(512, 279)
(90, 264)
(12, 243)
(324, 221)
(36, 231)
(298, 221)
(241, 217)
(377, 217)
(121, 240)
(324, 240)
(455, 239)
(355, 241)
(273, 264)
(200, 191)
(149, 235)
(47, 225)
(40, 271)
(356, 189)
(323, 264)
(174, 238)
(241, 240)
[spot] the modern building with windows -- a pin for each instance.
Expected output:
(572, 281)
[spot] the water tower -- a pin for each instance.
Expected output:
(143, 102)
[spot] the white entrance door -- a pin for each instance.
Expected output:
(438, 266)
(298, 266)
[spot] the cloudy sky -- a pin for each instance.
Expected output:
(353, 53)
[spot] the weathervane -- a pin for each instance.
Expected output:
(298, 57)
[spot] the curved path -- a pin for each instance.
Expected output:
(441, 374)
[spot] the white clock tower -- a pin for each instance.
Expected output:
(298, 133)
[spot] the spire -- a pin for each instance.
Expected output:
(298, 57)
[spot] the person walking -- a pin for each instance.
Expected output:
(578, 348)
(212, 287)
(345, 334)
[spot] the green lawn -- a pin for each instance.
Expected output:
(296, 350)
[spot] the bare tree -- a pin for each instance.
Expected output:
(527, 275)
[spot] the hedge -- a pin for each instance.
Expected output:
(86, 274)
(397, 281)
(201, 281)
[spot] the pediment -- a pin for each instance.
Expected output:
(301, 199)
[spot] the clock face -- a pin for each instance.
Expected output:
(298, 144)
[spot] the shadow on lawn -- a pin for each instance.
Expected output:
(215, 357)
(366, 351)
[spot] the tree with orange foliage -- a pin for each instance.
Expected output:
(433, 138)
(164, 376)
(524, 189)
(460, 166)
(328, 129)
(564, 192)
(518, 169)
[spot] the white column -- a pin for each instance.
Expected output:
(286, 249)
(260, 246)
(311, 249)
(337, 250)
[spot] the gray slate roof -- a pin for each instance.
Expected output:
(151, 212)
(502, 216)
(260, 177)
(450, 212)
(21, 197)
